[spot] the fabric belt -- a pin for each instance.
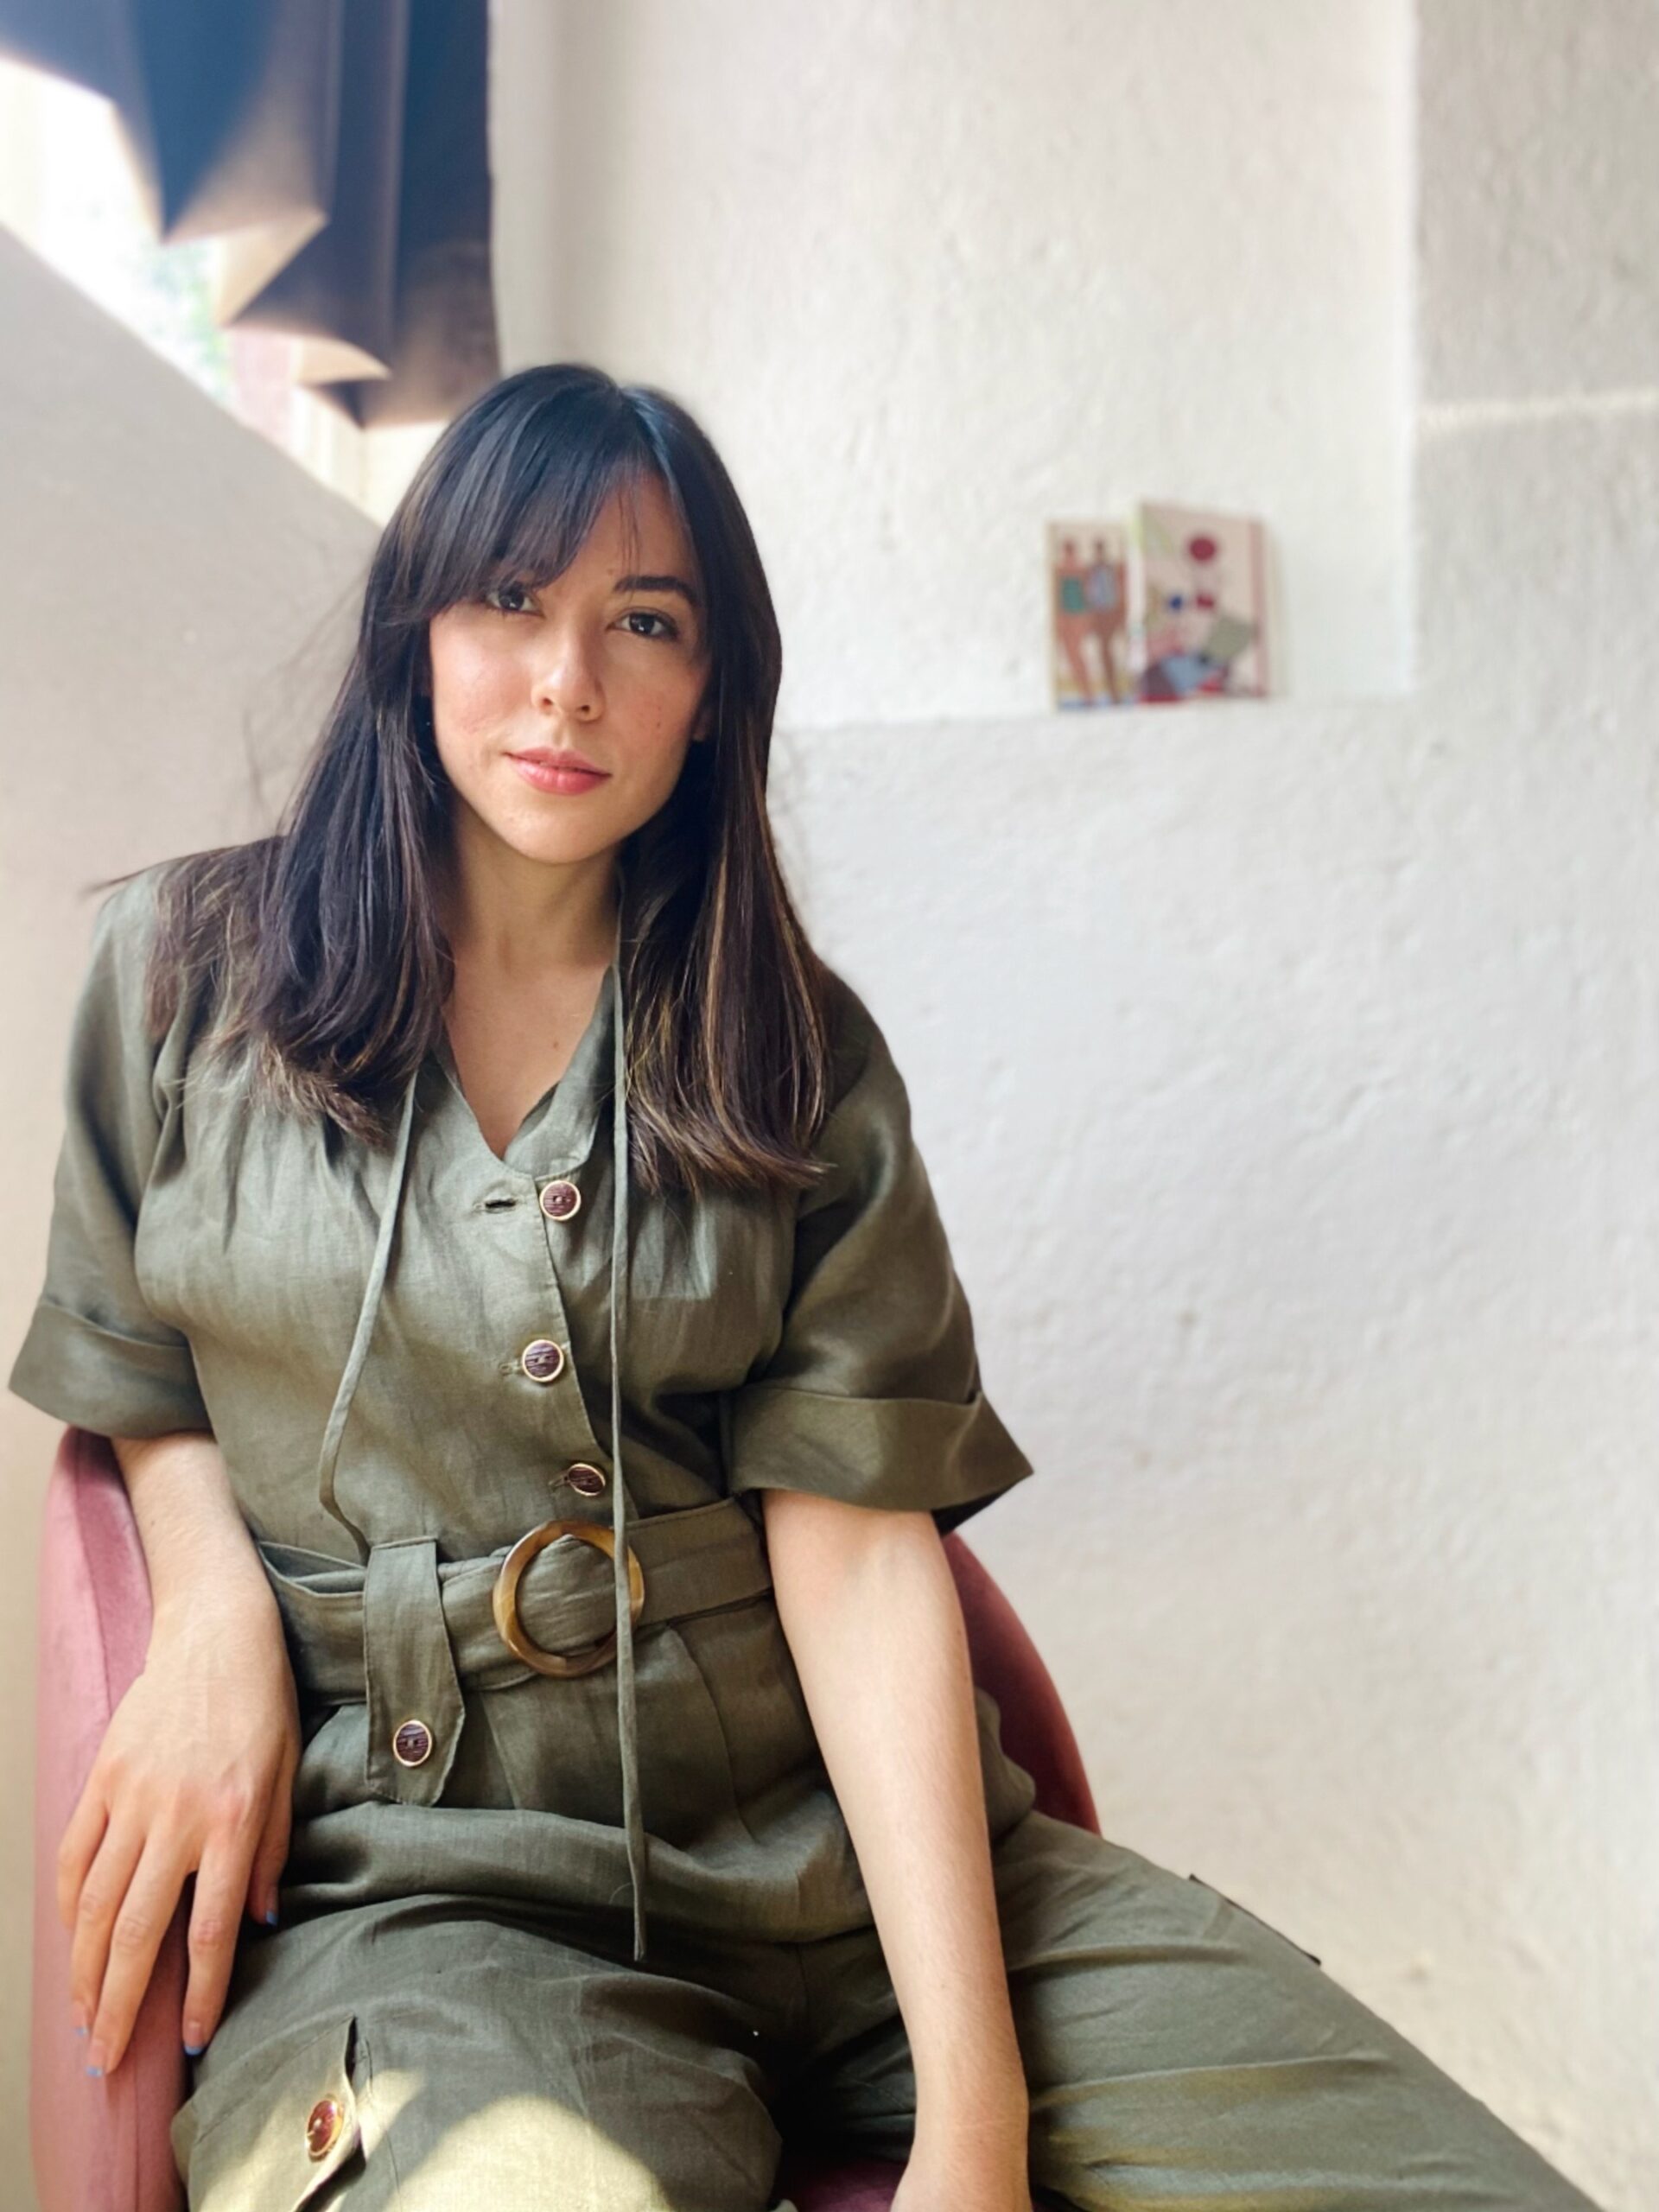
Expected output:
(693, 1560)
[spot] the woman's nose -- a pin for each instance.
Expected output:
(568, 677)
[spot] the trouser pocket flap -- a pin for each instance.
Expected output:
(266, 2135)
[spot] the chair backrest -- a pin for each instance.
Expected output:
(103, 2146)
(98, 2146)
(1005, 1664)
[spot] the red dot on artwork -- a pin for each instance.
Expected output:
(1202, 548)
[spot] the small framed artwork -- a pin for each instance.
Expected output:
(1198, 605)
(1088, 573)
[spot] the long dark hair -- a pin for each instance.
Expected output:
(321, 943)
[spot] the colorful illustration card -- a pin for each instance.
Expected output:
(1198, 605)
(1089, 615)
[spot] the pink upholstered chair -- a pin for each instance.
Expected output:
(103, 2146)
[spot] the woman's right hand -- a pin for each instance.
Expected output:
(195, 1774)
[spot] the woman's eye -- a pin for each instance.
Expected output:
(494, 595)
(670, 629)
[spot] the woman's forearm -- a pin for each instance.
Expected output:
(197, 1546)
(869, 1606)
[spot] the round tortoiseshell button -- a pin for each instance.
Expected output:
(542, 1359)
(411, 1743)
(323, 2125)
(587, 1479)
(560, 1199)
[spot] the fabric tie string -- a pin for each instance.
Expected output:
(626, 1715)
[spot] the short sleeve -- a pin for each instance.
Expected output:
(94, 1354)
(873, 1393)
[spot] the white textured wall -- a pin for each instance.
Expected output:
(176, 603)
(943, 270)
(1288, 1073)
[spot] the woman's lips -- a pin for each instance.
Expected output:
(545, 776)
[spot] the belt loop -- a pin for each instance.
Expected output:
(413, 1691)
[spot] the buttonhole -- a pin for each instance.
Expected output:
(495, 1205)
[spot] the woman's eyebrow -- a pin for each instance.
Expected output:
(661, 583)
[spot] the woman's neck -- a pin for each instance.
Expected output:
(515, 920)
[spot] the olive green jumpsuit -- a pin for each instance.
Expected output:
(413, 1359)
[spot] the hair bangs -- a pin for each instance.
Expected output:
(519, 503)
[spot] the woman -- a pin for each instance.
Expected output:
(490, 1126)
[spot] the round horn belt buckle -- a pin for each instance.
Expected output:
(504, 1597)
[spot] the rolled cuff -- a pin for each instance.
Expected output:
(111, 1384)
(909, 1454)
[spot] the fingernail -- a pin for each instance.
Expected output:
(270, 1917)
(95, 2063)
(195, 2050)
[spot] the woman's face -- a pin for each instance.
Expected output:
(609, 661)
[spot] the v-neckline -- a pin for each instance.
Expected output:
(561, 1123)
(444, 1053)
